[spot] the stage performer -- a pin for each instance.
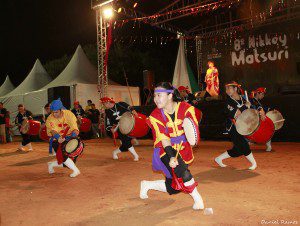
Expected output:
(256, 97)
(23, 114)
(212, 80)
(61, 126)
(235, 105)
(113, 113)
(169, 137)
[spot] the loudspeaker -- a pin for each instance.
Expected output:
(148, 77)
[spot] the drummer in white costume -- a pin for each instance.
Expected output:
(235, 105)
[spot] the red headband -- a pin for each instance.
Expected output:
(106, 100)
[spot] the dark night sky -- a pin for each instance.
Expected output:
(44, 29)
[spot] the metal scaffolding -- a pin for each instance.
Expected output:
(102, 25)
(102, 48)
(199, 58)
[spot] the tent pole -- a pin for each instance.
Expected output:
(128, 86)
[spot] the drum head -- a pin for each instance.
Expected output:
(71, 145)
(247, 122)
(126, 123)
(190, 131)
(25, 126)
(276, 118)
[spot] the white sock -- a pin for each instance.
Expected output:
(29, 146)
(251, 159)
(71, 165)
(198, 201)
(269, 146)
(133, 152)
(221, 157)
(53, 164)
(21, 147)
(158, 185)
(115, 153)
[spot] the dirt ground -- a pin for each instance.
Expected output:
(107, 191)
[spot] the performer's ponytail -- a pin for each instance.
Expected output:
(169, 86)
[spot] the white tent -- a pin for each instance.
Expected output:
(183, 75)
(36, 79)
(6, 87)
(81, 76)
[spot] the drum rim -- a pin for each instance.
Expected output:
(81, 146)
(259, 122)
(27, 125)
(195, 130)
(258, 125)
(131, 115)
(272, 120)
(68, 142)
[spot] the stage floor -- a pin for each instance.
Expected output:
(107, 191)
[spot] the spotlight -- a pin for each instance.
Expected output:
(107, 13)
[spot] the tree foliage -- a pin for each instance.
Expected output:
(129, 59)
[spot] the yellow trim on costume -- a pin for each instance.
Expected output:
(156, 120)
(191, 110)
(188, 162)
(174, 125)
(159, 136)
(163, 154)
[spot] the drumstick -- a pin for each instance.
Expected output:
(116, 128)
(246, 95)
(281, 120)
(180, 145)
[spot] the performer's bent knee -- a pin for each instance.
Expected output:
(170, 190)
(233, 153)
(247, 152)
(124, 148)
(186, 176)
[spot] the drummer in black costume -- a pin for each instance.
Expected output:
(256, 97)
(187, 96)
(77, 110)
(235, 105)
(113, 114)
(22, 115)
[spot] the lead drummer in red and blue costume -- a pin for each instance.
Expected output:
(235, 105)
(256, 97)
(168, 134)
(61, 126)
(113, 113)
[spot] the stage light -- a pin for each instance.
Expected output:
(119, 10)
(135, 4)
(107, 13)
